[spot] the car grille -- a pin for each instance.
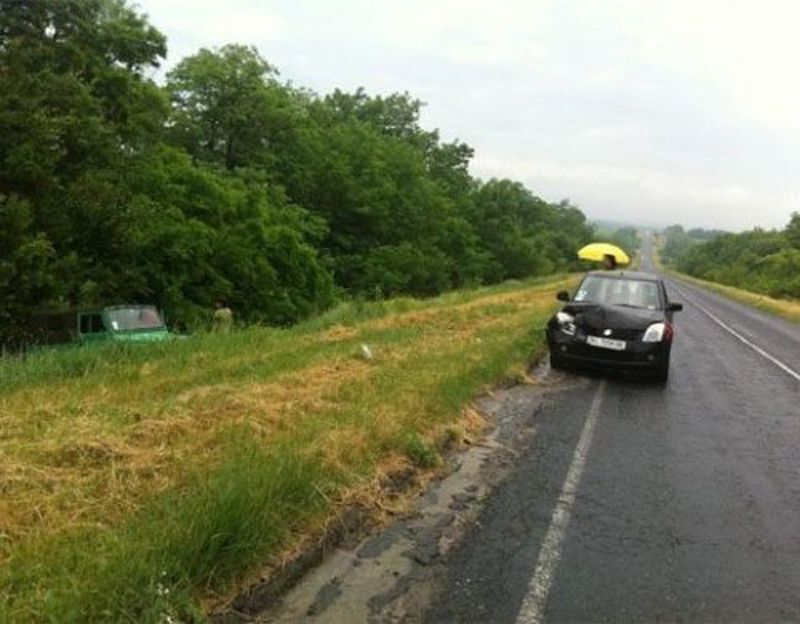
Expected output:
(617, 334)
(596, 353)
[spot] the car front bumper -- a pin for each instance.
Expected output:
(637, 355)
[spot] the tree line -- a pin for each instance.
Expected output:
(764, 261)
(228, 183)
(625, 237)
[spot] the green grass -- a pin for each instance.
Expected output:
(785, 308)
(140, 483)
(421, 452)
(195, 538)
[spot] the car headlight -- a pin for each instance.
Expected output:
(655, 333)
(566, 323)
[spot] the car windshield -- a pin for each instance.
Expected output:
(622, 292)
(135, 317)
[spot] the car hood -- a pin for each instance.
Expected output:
(599, 317)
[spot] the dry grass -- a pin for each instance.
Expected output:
(85, 473)
(90, 451)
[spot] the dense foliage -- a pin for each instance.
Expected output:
(626, 238)
(678, 241)
(226, 183)
(758, 260)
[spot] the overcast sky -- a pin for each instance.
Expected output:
(639, 111)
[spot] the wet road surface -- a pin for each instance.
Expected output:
(640, 502)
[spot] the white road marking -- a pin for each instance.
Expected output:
(786, 369)
(535, 601)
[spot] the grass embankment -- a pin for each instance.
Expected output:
(138, 484)
(786, 308)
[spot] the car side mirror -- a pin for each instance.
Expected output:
(675, 307)
(562, 295)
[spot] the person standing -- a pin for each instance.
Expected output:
(223, 317)
(609, 262)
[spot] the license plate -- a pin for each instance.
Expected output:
(606, 343)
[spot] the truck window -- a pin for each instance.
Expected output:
(92, 323)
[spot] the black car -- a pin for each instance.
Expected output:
(617, 319)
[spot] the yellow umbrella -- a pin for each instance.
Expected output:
(597, 252)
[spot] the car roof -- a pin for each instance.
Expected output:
(631, 275)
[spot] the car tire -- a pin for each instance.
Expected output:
(556, 363)
(661, 374)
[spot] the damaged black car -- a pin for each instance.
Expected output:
(616, 320)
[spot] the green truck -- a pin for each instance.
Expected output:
(119, 323)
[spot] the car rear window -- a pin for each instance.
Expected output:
(623, 292)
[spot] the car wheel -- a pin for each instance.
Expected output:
(661, 374)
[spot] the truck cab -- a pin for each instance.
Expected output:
(87, 326)
(121, 323)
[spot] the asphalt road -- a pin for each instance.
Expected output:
(640, 502)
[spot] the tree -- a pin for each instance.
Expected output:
(228, 108)
(524, 234)
(396, 115)
(793, 230)
(212, 235)
(72, 89)
(74, 107)
(227, 183)
(627, 238)
(757, 260)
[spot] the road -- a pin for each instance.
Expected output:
(636, 502)
(602, 498)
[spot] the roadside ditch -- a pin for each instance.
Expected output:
(359, 572)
